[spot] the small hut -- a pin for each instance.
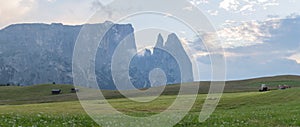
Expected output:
(74, 90)
(56, 91)
(263, 88)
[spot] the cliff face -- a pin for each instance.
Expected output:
(37, 53)
(42, 53)
(170, 57)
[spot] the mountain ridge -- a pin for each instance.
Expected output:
(36, 53)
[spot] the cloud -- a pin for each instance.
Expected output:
(44, 11)
(188, 8)
(245, 34)
(266, 5)
(51, 1)
(241, 34)
(11, 10)
(295, 57)
(213, 12)
(229, 5)
(277, 54)
(246, 6)
(197, 2)
(98, 4)
(255, 48)
(280, 33)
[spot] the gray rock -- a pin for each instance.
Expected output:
(42, 53)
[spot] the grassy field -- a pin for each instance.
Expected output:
(274, 108)
(35, 94)
(42, 93)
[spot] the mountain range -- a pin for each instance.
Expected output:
(42, 53)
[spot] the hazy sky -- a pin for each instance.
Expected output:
(78, 11)
(259, 36)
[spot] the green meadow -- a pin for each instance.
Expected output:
(239, 106)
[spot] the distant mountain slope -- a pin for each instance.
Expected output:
(42, 53)
(36, 53)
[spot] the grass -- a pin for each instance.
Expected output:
(59, 114)
(35, 94)
(12, 95)
(35, 106)
(274, 108)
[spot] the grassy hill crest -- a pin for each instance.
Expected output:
(42, 93)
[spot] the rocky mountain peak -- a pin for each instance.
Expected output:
(159, 42)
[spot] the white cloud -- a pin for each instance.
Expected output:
(213, 12)
(256, 48)
(14, 8)
(168, 15)
(51, 1)
(229, 5)
(241, 34)
(11, 10)
(188, 8)
(238, 6)
(197, 2)
(200, 54)
(295, 57)
(247, 7)
(266, 5)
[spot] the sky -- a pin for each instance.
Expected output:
(258, 37)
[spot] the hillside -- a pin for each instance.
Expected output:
(35, 94)
(242, 85)
(274, 108)
(42, 93)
